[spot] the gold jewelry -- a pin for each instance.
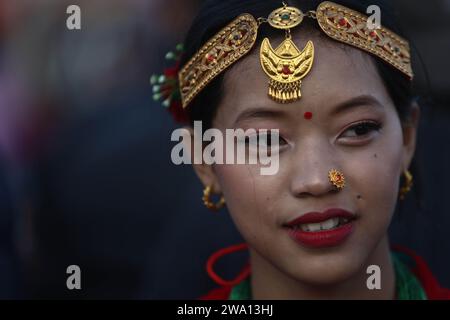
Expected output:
(287, 65)
(407, 186)
(350, 26)
(227, 46)
(336, 178)
(207, 202)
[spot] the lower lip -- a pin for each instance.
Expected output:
(322, 239)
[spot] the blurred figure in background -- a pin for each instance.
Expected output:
(97, 153)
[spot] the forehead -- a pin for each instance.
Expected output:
(339, 72)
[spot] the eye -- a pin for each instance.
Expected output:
(361, 130)
(264, 139)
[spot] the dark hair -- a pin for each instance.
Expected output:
(215, 14)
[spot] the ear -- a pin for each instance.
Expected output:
(410, 128)
(205, 172)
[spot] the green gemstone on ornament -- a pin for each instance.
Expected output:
(285, 16)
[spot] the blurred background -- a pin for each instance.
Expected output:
(85, 170)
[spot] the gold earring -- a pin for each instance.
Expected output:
(407, 186)
(208, 203)
(337, 178)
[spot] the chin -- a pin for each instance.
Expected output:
(327, 269)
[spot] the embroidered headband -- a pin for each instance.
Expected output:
(287, 65)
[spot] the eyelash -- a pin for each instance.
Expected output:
(281, 142)
(369, 126)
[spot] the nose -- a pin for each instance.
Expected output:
(310, 172)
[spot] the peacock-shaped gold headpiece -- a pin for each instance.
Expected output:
(286, 65)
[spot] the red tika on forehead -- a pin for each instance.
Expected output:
(308, 115)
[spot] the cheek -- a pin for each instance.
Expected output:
(375, 174)
(248, 196)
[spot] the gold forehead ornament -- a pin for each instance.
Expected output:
(286, 65)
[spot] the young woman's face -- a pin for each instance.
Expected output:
(354, 128)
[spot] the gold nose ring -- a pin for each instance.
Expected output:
(336, 178)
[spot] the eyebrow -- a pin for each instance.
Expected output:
(362, 100)
(264, 113)
(259, 112)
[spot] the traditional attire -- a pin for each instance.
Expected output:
(413, 279)
(286, 67)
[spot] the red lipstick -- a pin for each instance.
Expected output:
(322, 229)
